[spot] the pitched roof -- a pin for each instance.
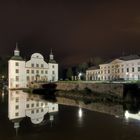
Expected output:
(130, 57)
(94, 68)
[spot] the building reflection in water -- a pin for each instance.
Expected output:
(22, 105)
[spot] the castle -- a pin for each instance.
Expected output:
(22, 73)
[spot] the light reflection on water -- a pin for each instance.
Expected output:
(62, 118)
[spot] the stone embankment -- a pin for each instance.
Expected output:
(116, 89)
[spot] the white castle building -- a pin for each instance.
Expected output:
(123, 68)
(22, 73)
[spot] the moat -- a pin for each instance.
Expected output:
(29, 116)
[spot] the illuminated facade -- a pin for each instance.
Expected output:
(124, 68)
(22, 73)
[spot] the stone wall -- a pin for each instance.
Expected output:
(104, 88)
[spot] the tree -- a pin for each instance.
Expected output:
(69, 73)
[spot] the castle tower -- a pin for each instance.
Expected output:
(51, 55)
(53, 71)
(16, 51)
(16, 70)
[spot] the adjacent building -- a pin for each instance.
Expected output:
(22, 73)
(123, 68)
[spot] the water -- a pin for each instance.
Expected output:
(26, 116)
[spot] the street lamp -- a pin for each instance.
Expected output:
(79, 75)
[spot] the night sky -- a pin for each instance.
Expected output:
(76, 30)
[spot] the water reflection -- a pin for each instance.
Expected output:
(21, 105)
(32, 117)
(132, 116)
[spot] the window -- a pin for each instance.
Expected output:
(27, 71)
(139, 69)
(17, 70)
(32, 105)
(16, 107)
(32, 65)
(46, 72)
(32, 111)
(16, 114)
(37, 104)
(17, 78)
(37, 111)
(127, 69)
(41, 104)
(37, 65)
(32, 78)
(17, 99)
(27, 106)
(17, 85)
(52, 66)
(28, 78)
(42, 71)
(42, 110)
(37, 71)
(122, 69)
(53, 72)
(42, 65)
(108, 71)
(17, 64)
(133, 69)
(32, 71)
